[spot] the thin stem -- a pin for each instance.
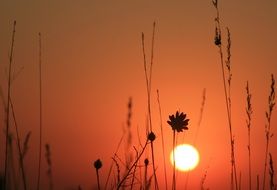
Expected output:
(8, 107)
(134, 173)
(160, 111)
(40, 115)
(145, 177)
(98, 181)
(152, 55)
(174, 163)
(258, 182)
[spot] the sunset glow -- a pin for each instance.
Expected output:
(186, 157)
(87, 82)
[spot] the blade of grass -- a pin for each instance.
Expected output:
(8, 106)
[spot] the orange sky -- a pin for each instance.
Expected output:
(92, 63)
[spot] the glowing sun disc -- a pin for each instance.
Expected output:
(186, 157)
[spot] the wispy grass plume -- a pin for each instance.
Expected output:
(271, 104)
(249, 112)
(271, 174)
(49, 164)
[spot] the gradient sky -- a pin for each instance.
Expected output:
(92, 63)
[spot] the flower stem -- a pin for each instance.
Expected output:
(98, 182)
(174, 163)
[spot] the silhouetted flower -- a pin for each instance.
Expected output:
(178, 122)
(151, 136)
(98, 164)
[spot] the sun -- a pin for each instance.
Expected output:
(186, 157)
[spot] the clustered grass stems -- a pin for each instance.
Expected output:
(151, 137)
(113, 158)
(178, 123)
(8, 107)
(160, 111)
(249, 112)
(268, 135)
(20, 153)
(218, 43)
(148, 78)
(97, 165)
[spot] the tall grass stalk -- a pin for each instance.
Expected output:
(40, 114)
(161, 124)
(268, 135)
(249, 112)
(148, 87)
(8, 106)
(227, 92)
(21, 164)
